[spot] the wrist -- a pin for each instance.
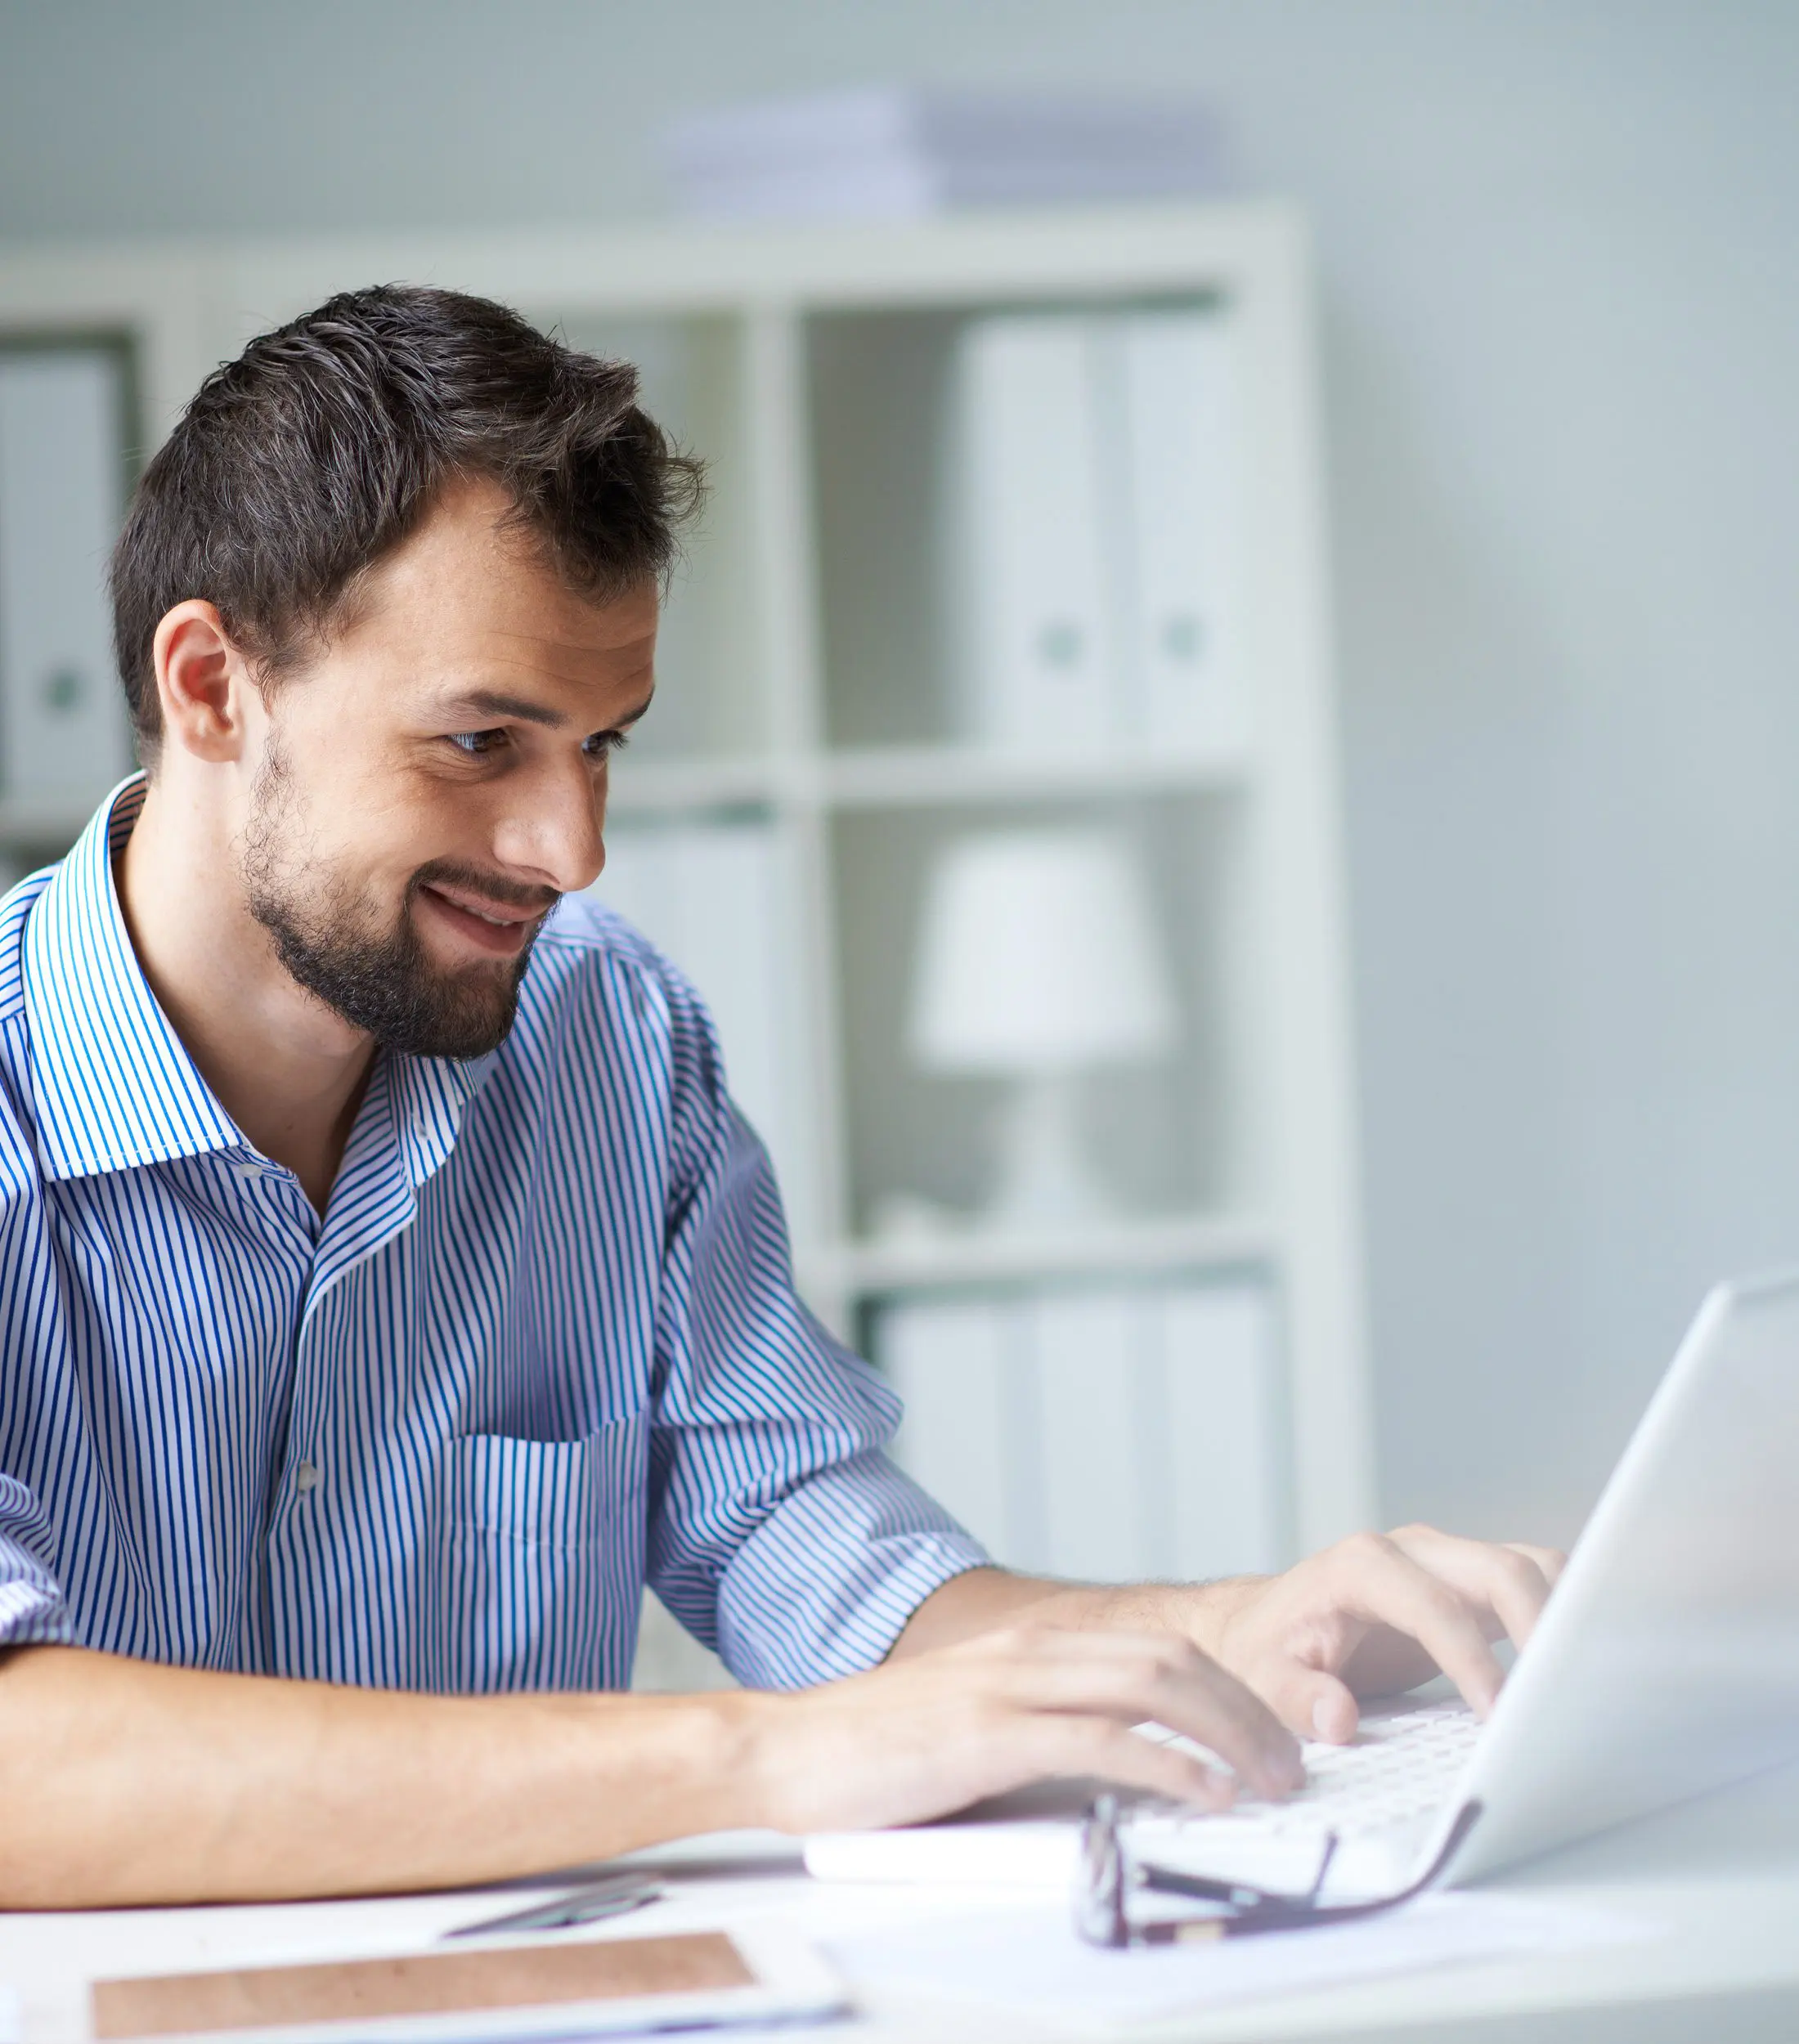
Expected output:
(1217, 1607)
(686, 1762)
(754, 1760)
(1201, 1612)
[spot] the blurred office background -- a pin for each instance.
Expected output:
(1559, 298)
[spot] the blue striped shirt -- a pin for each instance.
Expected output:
(543, 1347)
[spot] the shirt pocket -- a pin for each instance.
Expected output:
(538, 1566)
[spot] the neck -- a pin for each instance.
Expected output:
(287, 1070)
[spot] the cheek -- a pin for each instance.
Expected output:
(389, 812)
(374, 808)
(355, 858)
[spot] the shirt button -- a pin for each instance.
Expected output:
(305, 1477)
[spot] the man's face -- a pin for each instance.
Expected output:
(432, 785)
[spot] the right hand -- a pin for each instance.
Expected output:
(919, 1738)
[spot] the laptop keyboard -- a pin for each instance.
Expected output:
(1385, 1789)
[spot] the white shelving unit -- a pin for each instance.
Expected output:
(752, 345)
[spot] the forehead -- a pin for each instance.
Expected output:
(469, 599)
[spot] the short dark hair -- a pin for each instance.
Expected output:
(303, 462)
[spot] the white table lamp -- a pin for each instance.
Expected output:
(1039, 960)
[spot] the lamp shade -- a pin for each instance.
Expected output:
(1039, 953)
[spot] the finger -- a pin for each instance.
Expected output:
(1136, 1677)
(1520, 1590)
(1550, 1560)
(1501, 1579)
(1206, 1701)
(1211, 1706)
(1313, 1703)
(1508, 1580)
(1062, 1746)
(1382, 1583)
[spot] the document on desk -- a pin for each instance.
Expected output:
(1030, 1961)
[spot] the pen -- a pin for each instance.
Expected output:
(611, 1896)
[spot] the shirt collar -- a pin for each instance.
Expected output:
(114, 1085)
(430, 1095)
(115, 1088)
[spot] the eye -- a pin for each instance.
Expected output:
(603, 743)
(477, 744)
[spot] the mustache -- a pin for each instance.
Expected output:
(507, 893)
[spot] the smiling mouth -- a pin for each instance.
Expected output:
(489, 927)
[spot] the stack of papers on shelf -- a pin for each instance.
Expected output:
(898, 152)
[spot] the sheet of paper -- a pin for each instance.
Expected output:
(1030, 1960)
(12, 2030)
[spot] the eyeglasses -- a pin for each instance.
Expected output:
(1107, 1877)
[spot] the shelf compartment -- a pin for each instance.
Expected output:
(1168, 1137)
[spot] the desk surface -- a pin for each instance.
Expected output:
(1720, 1879)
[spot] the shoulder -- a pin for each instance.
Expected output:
(603, 1015)
(584, 931)
(589, 959)
(583, 943)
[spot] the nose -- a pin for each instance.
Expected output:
(551, 830)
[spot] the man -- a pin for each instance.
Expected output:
(377, 1311)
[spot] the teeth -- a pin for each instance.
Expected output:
(499, 922)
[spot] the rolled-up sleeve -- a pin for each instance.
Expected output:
(780, 1533)
(31, 1612)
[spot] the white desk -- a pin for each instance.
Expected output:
(1722, 1877)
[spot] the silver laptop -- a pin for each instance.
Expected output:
(1666, 1664)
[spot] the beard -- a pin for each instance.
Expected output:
(379, 980)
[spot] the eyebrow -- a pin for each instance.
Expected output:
(493, 702)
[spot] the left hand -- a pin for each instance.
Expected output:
(1376, 1614)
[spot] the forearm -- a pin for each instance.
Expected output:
(984, 1599)
(122, 1782)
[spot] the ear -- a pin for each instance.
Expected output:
(204, 684)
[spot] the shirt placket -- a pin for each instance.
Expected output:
(270, 1197)
(317, 1601)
